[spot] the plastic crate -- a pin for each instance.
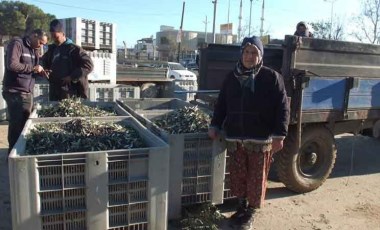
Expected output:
(120, 111)
(125, 91)
(201, 160)
(112, 92)
(156, 104)
(184, 85)
(113, 189)
(227, 186)
(41, 92)
(3, 108)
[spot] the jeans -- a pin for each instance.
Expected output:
(19, 107)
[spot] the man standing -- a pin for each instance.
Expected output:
(21, 65)
(302, 30)
(68, 65)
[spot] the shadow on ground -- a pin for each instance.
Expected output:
(356, 155)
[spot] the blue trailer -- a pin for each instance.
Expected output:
(334, 88)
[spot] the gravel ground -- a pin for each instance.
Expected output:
(349, 199)
(5, 205)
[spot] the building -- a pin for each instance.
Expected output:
(145, 49)
(167, 42)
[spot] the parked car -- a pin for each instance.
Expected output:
(179, 72)
(192, 66)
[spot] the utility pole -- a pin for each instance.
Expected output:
(228, 22)
(213, 24)
(262, 20)
(240, 17)
(179, 36)
(206, 22)
(250, 18)
(331, 16)
(125, 50)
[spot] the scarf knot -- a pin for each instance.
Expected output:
(245, 76)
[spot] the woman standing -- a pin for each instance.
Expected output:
(253, 111)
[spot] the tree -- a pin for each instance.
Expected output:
(18, 18)
(255, 30)
(368, 23)
(321, 29)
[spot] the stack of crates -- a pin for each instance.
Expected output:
(98, 190)
(112, 92)
(197, 164)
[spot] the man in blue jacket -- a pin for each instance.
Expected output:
(21, 67)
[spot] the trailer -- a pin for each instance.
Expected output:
(333, 87)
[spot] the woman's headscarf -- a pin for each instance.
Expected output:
(246, 76)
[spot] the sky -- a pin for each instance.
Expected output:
(137, 19)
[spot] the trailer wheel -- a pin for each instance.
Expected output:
(307, 169)
(149, 90)
(376, 130)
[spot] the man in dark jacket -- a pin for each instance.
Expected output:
(21, 65)
(252, 109)
(68, 65)
(302, 30)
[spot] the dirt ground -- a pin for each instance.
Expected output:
(349, 199)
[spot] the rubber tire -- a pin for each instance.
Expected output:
(376, 130)
(149, 90)
(289, 166)
(367, 132)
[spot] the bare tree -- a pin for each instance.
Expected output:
(255, 30)
(368, 23)
(321, 29)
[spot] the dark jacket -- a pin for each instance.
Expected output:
(247, 115)
(19, 62)
(65, 60)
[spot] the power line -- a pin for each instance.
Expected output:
(82, 8)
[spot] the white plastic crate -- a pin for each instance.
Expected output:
(126, 91)
(184, 85)
(41, 92)
(112, 92)
(2, 63)
(156, 104)
(3, 107)
(119, 110)
(201, 160)
(227, 178)
(113, 189)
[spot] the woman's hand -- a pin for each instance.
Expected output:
(277, 144)
(213, 133)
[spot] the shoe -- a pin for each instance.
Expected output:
(240, 212)
(246, 221)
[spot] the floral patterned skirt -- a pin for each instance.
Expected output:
(249, 167)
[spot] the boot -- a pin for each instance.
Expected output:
(240, 211)
(246, 221)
